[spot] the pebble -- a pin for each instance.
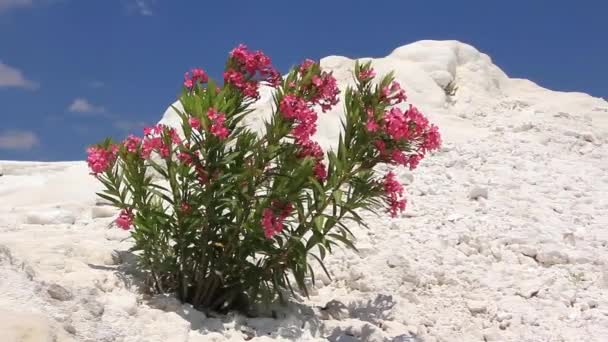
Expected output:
(53, 216)
(103, 212)
(552, 257)
(476, 306)
(478, 192)
(59, 292)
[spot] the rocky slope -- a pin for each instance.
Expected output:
(505, 236)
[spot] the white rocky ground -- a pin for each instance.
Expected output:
(505, 237)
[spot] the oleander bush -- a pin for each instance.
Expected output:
(236, 217)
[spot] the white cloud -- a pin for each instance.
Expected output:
(6, 5)
(18, 140)
(13, 77)
(139, 7)
(96, 84)
(82, 105)
(129, 126)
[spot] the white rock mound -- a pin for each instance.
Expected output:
(504, 237)
(425, 69)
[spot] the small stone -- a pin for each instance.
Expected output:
(503, 316)
(504, 325)
(551, 257)
(588, 136)
(478, 192)
(54, 216)
(397, 261)
(102, 212)
(116, 234)
(569, 238)
(323, 278)
(5, 255)
(95, 308)
(527, 250)
(69, 328)
(491, 334)
(126, 303)
(405, 338)
(476, 306)
(529, 289)
(406, 178)
(59, 292)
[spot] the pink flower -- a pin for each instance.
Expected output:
(151, 144)
(432, 139)
(234, 77)
(158, 129)
(125, 219)
(305, 66)
(217, 126)
(414, 160)
(195, 123)
(185, 207)
(326, 91)
(310, 148)
(320, 171)
(393, 93)
(100, 159)
(366, 74)
(273, 223)
(295, 108)
(304, 131)
(380, 146)
(132, 143)
(248, 68)
(371, 125)
(396, 124)
(394, 192)
(195, 75)
(185, 158)
(398, 157)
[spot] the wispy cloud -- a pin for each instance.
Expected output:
(129, 126)
(83, 106)
(96, 84)
(140, 7)
(18, 140)
(13, 77)
(6, 5)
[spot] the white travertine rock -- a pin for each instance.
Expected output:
(529, 264)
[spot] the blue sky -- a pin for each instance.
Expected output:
(75, 71)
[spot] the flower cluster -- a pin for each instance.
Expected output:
(273, 218)
(312, 149)
(323, 87)
(394, 194)
(132, 143)
(101, 159)
(195, 75)
(125, 219)
(154, 141)
(393, 94)
(217, 123)
(366, 74)
(248, 68)
(297, 109)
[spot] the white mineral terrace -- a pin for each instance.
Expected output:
(505, 237)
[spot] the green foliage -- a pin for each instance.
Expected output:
(198, 228)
